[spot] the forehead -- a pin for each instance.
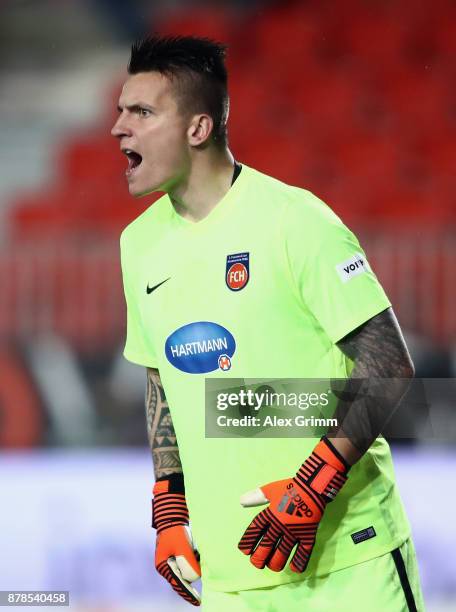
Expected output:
(148, 87)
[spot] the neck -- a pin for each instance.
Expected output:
(206, 183)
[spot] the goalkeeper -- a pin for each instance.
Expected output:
(233, 273)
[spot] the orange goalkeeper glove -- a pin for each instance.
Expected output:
(296, 506)
(175, 558)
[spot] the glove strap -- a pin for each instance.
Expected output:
(169, 507)
(325, 471)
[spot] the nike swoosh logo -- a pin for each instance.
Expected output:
(150, 289)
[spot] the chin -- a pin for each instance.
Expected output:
(137, 192)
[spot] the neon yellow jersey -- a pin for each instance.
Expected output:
(263, 287)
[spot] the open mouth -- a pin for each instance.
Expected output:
(134, 160)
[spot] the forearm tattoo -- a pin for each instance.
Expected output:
(379, 379)
(160, 430)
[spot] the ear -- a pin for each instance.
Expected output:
(199, 130)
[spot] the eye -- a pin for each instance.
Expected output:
(144, 112)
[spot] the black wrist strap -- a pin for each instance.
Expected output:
(176, 482)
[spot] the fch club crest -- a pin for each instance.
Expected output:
(237, 271)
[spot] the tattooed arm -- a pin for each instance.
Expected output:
(160, 430)
(380, 377)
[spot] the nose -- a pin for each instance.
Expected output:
(120, 128)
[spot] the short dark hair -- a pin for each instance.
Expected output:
(197, 65)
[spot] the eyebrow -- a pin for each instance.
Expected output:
(135, 107)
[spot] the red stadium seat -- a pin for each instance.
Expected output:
(418, 99)
(43, 216)
(444, 34)
(92, 156)
(75, 211)
(369, 159)
(440, 154)
(374, 36)
(212, 22)
(286, 37)
(328, 100)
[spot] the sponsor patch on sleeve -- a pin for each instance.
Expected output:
(354, 266)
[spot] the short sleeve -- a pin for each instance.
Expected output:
(138, 347)
(329, 268)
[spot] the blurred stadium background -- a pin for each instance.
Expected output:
(354, 100)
